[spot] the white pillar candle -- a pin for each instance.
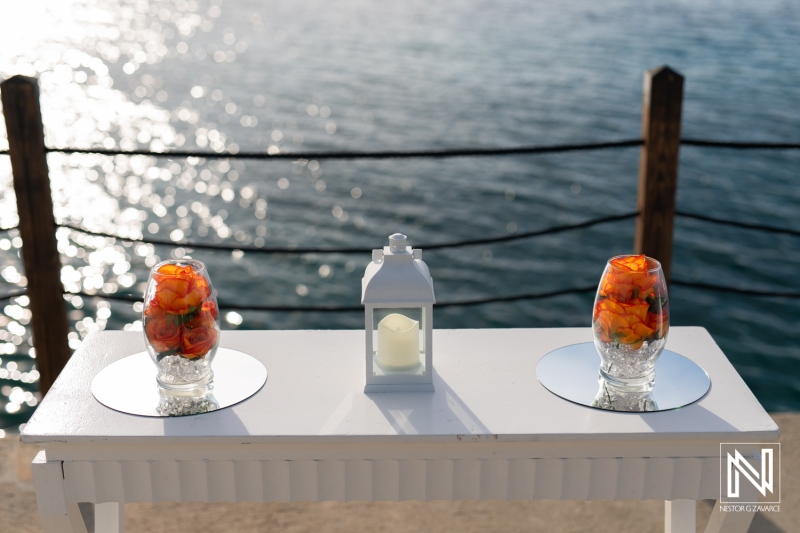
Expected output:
(398, 342)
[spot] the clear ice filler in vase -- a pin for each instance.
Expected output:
(181, 324)
(630, 321)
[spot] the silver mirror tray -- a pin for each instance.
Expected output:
(129, 385)
(572, 372)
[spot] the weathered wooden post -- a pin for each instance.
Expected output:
(658, 164)
(26, 148)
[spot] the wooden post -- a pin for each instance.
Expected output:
(26, 148)
(658, 164)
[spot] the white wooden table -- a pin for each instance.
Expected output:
(489, 432)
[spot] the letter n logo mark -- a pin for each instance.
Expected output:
(756, 469)
(762, 481)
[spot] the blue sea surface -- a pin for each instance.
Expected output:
(363, 75)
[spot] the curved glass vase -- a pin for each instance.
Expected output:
(177, 403)
(612, 397)
(181, 325)
(630, 322)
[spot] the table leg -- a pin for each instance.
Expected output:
(109, 517)
(105, 517)
(729, 522)
(71, 522)
(57, 515)
(679, 516)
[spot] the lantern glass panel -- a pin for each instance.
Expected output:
(398, 345)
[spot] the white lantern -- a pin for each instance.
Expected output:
(397, 294)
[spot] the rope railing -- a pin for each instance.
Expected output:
(479, 301)
(225, 306)
(12, 295)
(735, 290)
(432, 246)
(736, 223)
(131, 298)
(381, 154)
(393, 154)
(352, 250)
(740, 145)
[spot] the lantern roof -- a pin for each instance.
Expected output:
(397, 274)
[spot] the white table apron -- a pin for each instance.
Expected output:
(489, 432)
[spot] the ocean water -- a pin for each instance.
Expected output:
(361, 75)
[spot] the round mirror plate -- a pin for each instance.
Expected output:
(572, 372)
(129, 385)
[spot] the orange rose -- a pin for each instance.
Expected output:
(631, 262)
(198, 342)
(627, 297)
(152, 309)
(627, 285)
(205, 318)
(620, 327)
(164, 335)
(627, 278)
(179, 290)
(658, 322)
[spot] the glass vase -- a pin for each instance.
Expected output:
(181, 325)
(612, 397)
(630, 322)
(180, 403)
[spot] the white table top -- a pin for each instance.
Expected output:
(486, 389)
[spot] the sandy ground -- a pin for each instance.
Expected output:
(18, 508)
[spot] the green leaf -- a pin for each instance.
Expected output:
(180, 320)
(654, 305)
(162, 355)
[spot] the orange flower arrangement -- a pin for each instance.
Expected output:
(632, 304)
(181, 316)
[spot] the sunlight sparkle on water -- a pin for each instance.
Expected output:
(115, 195)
